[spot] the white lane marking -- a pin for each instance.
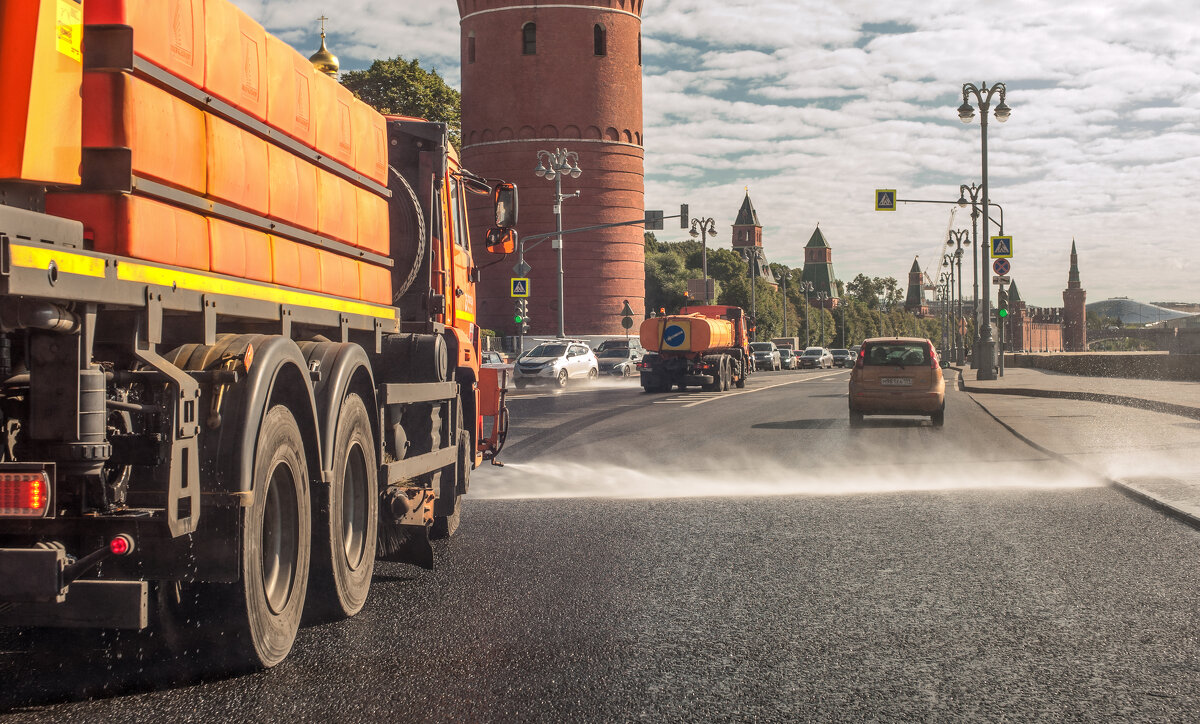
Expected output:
(727, 395)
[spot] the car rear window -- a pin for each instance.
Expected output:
(896, 353)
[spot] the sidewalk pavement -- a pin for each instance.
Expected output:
(1147, 451)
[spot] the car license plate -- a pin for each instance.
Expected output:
(896, 381)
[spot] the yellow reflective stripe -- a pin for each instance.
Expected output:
(36, 257)
(465, 316)
(127, 271)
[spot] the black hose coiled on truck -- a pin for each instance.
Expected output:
(421, 231)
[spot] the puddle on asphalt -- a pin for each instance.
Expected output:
(578, 480)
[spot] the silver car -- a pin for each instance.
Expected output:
(554, 363)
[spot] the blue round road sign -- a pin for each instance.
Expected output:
(673, 335)
(1001, 266)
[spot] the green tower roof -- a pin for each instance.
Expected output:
(817, 239)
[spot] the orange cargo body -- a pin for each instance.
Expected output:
(376, 283)
(292, 190)
(290, 92)
(137, 227)
(337, 208)
(40, 125)
(237, 166)
(685, 333)
(235, 57)
(295, 265)
(239, 251)
(335, 130)
(370, 142)
(165, 133)
(339, 275)
(168, 33)
(372, 222)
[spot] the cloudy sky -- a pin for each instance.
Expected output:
(813, 105)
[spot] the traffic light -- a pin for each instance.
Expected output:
(518, 311)
(1002, 303)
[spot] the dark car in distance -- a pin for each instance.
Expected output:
(842, 357)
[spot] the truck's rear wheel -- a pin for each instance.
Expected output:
(266, 604)
(446, 524)
(347, 525)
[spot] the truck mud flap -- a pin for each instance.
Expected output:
(88, 604)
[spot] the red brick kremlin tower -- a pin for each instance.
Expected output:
(1074, 309)
(544, 76)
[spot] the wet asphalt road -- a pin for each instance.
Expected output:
(694, 557)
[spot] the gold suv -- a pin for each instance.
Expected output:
(897, 376)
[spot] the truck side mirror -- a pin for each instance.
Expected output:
(501, 240)
(504, 199)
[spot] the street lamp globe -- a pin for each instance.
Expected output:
(540, 171)
(966, 113)
(1002, 112)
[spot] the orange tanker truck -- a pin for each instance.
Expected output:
(238, 352)
(704, 346)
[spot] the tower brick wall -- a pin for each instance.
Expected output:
(563, 95)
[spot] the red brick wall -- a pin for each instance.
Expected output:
(564, 96)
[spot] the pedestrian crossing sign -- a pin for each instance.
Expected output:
(519, 286)
(1002, 247)
(885, 199)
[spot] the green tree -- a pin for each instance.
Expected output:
(403, 88)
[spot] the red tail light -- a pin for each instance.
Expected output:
(859, 361)
(933, 358)
(24, 495)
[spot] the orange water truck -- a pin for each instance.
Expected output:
(239, 360)
(702, 346)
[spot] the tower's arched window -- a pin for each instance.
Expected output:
(471, 48)
(600, 39)
(639, 48)
(529, 39)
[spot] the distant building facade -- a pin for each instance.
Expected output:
(1031, 329)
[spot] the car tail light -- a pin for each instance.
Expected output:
(933, 358)
(24, 495)
(859, 362)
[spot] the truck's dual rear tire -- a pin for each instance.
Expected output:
(261, 613)
(348, 521)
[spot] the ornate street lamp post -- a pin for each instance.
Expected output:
(985, 362)
(704, 228)
(807, 288)
(552, 167)
(821, 299)
(956, 239)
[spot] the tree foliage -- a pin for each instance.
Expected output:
(870, 306)
(400, 87)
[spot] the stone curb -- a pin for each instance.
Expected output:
(1187, 516)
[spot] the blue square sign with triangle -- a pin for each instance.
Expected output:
(520, 286)
(885, 199)
(1002, 247)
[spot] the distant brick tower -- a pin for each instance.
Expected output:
(747, 238)
(543, 77)
(1074, 308)
(914, 301)
(818, 269)
(1017, 316)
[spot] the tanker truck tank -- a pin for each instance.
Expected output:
(703, 347)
